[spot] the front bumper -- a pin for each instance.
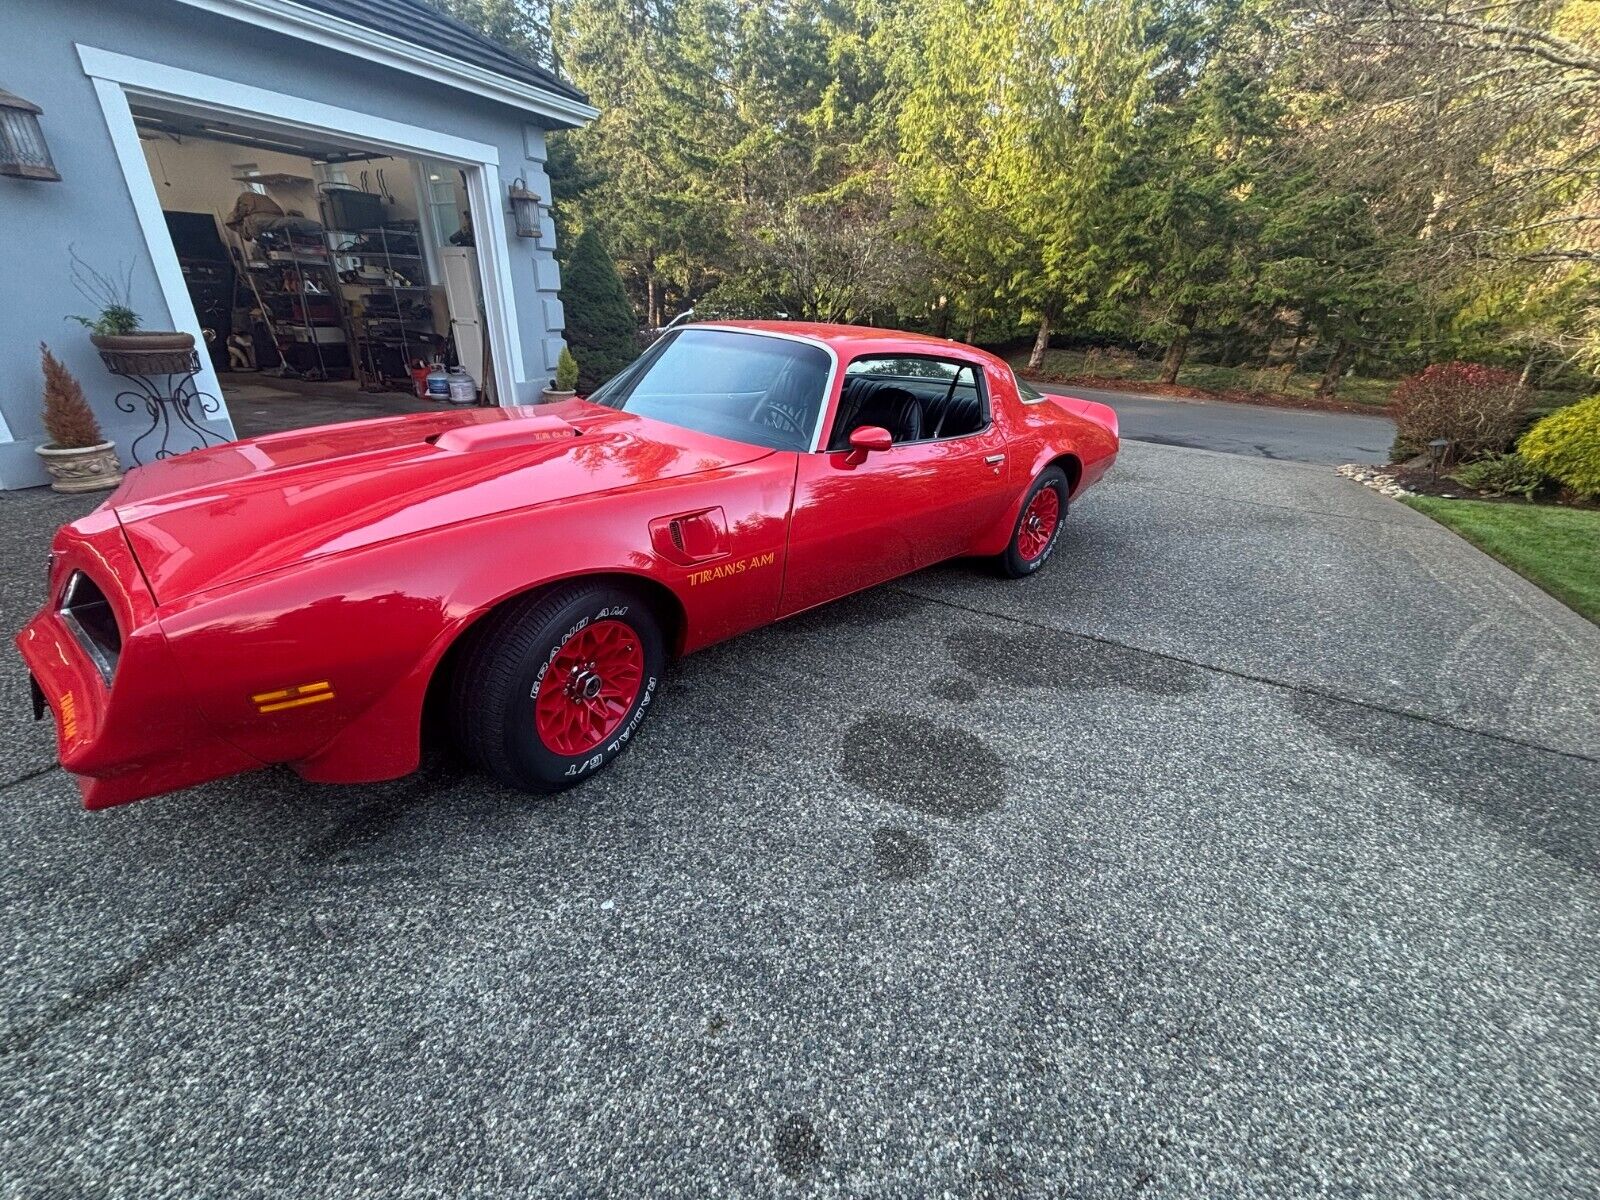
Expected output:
(140, 735)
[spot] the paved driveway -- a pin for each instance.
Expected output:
(1253, 429)
(1251, 849)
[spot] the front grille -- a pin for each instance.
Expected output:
(88, 614)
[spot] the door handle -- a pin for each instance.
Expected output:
(994, 460)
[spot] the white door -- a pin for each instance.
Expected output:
(460, 264)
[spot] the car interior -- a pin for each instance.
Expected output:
(761, 390)
(915, 399)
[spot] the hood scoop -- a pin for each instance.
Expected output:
(536, 429)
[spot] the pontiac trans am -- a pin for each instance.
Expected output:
(301, 598)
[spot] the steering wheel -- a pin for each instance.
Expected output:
(776, 416)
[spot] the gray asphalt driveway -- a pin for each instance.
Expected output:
(1253, 429)
(1249, 850)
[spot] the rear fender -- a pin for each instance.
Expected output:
(998, 536)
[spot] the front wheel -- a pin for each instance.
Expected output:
(554, 686)
(1038, 525)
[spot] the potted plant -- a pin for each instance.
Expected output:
(565, 385)
(77, 456)
(114, 329)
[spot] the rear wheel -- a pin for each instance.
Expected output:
(554, 686)
(1038, 525)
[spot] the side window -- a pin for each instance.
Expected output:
(916, 398)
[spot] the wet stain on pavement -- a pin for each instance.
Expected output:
(1043, 659)
(900, 854)
(1543, 800)
(921, 764)
(955, 688)
(796, 1145)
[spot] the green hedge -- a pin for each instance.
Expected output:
(1566, 446)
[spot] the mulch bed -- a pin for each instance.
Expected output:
(1418, 478)
(1230, 395)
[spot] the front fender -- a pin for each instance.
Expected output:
(374, 624)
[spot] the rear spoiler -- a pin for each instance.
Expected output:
(1101, 414)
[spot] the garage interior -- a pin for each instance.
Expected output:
(331, 282)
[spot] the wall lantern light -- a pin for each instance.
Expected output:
(23, 151)
(524, 209)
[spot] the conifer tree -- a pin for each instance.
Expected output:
(68, 419)
(601, 327)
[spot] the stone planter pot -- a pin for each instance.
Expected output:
(552, 396)
(147, 352)
(81, 469)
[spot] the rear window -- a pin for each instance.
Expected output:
(749, 387)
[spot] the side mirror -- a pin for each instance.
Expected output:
(866, 439)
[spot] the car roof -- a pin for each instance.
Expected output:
(852, 340)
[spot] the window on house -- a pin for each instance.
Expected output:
(445, 200)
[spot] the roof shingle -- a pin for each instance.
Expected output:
(423, 25)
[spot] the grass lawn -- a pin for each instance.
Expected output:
(1557, 548)
(1070, 363)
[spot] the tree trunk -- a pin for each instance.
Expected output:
(1527, 369)
(1040, 343)
(941, 323)
(1173, 362)
(652, 315)
(1178, 346)
(1329, 386)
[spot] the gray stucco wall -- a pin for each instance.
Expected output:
(91, 209)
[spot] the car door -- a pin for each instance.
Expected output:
(859, 520)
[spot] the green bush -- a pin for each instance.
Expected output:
(566, 371)
(1566, 446)
(1501, 475)
(601, 327)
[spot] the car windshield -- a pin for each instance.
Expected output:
(749, 387)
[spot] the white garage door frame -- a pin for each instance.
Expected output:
(119, 77)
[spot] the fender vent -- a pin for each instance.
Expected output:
(692, 537)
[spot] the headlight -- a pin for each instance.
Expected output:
(88, 614)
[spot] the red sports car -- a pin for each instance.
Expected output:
(297, 598)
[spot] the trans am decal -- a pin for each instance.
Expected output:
(737, 567)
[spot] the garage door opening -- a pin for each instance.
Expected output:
(331, 281)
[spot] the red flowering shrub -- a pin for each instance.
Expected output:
(1478, 408)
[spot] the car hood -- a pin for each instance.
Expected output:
(220, 515)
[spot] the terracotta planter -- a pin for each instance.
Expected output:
(82, 469)
(147, 352)
(552, 396)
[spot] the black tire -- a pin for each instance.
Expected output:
(1014, 564)
(503, 665)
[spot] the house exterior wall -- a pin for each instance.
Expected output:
(91, 210)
